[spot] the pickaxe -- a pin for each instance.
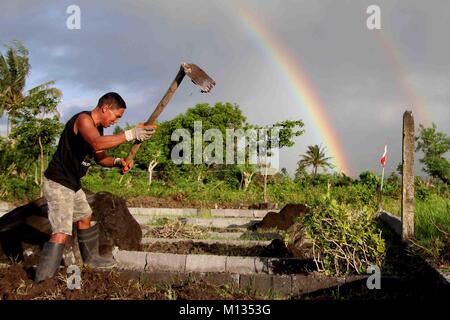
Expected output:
(197, 75)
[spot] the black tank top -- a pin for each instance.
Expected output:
(72, 158)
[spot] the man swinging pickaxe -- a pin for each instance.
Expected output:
(197, 75)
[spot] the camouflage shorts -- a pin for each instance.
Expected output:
(65, 206)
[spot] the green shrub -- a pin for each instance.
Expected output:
(421, 191)
(14, 188)
(392, 190)
(345, 240)
(369, 179)
(357, 195)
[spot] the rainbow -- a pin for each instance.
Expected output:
(299, 85)
(415, 101)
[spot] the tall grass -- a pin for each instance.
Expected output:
(431, 219)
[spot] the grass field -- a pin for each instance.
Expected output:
(432, 212)
(431, 219)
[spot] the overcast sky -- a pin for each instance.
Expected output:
(365, 78)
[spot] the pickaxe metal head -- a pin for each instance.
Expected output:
(198, 76)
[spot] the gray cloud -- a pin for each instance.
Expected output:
(135, 48)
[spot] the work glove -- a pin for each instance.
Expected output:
(140, 132)
(123, 165)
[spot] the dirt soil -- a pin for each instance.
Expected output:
(282, 220)
(15, 284)
(276, 249)
(405, 276)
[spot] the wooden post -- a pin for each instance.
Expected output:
(408, 177)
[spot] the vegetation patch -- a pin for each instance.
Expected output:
(169, 228)
(344, 240)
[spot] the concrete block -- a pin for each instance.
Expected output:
(205, 263)
(204, 212)
(238, 213)
(221, 222)
(181, 211)
(225, 235)
(282, 284)
(302, 284)
(168, 212)
(242, 265)
(218, 278)
(143, 218)
(259, 213)
(165, 262)
(259, 282)
(130, 259)
(262, 265)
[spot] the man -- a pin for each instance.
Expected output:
(81, 141)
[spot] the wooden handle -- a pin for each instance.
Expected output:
(159, 108)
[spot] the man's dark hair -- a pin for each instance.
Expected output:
(113, 99)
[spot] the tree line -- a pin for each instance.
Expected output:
(34, 125)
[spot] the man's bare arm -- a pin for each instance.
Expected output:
(107, 161)
(104, 160)
(86, 128)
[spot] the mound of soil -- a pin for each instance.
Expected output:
(26, 228)
(282, 220)
(275, 249)
(117, 225)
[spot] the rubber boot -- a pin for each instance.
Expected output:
(49, 261)
(88, 242)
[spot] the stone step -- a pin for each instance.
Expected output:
(241, 243)
(192, 212)
(220, 222)
(155, 261)
(242, 223)
(226, 235)
(284, 285)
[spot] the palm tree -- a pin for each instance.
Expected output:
(315, 157)
(14, 69)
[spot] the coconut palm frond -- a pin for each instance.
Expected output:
(315, 158)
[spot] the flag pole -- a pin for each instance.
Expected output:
(383, 164)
